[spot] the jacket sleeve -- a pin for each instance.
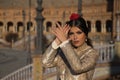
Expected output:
(79, 64)
(49, 57)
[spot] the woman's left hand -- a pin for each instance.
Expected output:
(61, 32)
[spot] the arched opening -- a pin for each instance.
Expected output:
(1, 28)
(1, 24)
(98, 26)
(10, 27)
(48, 26)
(59, 22)
(89, 25)
(29, 26)
(110, 5)
(19, 26)
(109, 26)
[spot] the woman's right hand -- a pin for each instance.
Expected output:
(56, 39)
(61, 33)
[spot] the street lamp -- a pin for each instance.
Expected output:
(37, 57)
(23, 13)
(39, 19)
(80, 7)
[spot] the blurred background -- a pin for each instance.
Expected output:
(25, 30)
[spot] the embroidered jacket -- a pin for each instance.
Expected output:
(71, 63)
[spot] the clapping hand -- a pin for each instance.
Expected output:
(61, 33)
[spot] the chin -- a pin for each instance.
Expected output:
(75, 46)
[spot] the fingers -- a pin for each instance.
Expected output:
(59, 26)
(61, 31)
(66, 28)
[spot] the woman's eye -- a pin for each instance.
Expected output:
(79, 32)
(71, 33)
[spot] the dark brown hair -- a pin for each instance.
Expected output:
(81, 24)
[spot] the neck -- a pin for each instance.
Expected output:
(82, 47)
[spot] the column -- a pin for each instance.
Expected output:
(93, 27)
(118, 27)
(4, 27)
(117, 42)
(103, 27)
(14, 27)
(37, 59)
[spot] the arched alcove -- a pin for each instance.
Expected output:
(48, 25)
(1, 28)
(19, 26)
(1, 24)
(29, 25)
(10, 26)
(98, 26)
(59, 23)
(109, 26)
(89, 25)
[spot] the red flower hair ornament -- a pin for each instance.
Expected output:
(74, 16)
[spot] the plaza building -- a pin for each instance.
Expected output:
(20, 17)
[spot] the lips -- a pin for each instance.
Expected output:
(75, 42)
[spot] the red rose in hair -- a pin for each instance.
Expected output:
(74, 16)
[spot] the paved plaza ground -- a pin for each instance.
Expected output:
(11, 60)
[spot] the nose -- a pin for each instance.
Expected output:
(75, 37)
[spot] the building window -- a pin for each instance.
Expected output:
(89, 25)
(48, 26)
(1, 24)
(1, 27)
(59, 23)
(10, 27)
(98, 26)
(29, 25)
(110, 5)
(109, 26)
(19, 26)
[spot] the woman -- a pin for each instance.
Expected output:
(71, 52)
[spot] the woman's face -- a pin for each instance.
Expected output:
(77, 36)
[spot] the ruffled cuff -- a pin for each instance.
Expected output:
(55, 46)
(64, 43)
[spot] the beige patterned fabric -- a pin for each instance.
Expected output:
(74, 64)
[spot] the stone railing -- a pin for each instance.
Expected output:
(24, 73)
(106, 52)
